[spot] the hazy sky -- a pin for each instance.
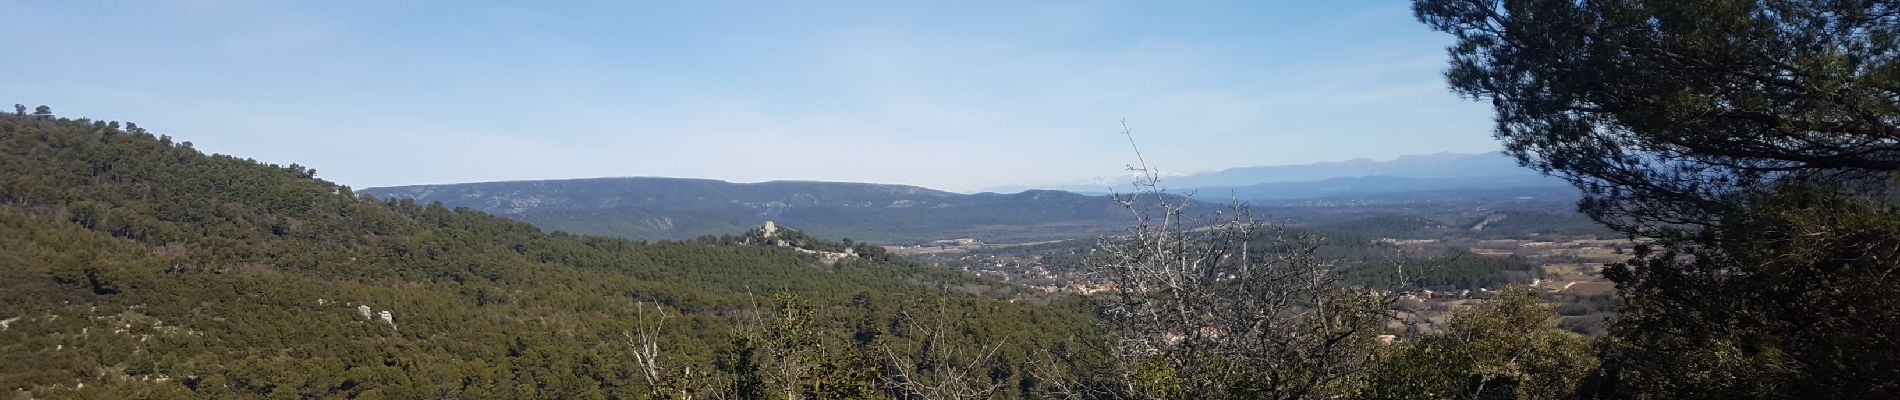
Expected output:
(959, 95)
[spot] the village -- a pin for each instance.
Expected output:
(1568, 273)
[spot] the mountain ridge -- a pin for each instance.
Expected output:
(645, 207)
(1423, 166)
(1376, 185)
(678, 208)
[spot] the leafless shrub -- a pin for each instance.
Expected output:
(937, 366)
(1224, 305)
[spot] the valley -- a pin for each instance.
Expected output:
(1449, 267)
(181, 274)
(915, 200)
(1466, 232)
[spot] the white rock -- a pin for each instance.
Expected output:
(363, 310)
(388, 318)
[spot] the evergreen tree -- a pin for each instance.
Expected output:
(1755, 140)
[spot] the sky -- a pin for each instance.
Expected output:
(958, 95)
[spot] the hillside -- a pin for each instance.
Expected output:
(671, 208)
(137, 267)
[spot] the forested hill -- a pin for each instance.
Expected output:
(133, 266)
(670, 208)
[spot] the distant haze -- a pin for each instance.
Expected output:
(674, 208)
(1441, 169)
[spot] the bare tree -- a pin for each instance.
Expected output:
(938, 367)
(792, 343)
(1224, 305)
(645, 342)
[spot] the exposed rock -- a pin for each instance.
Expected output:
(1488, 219)
(826, 256)
(388, 318)
(363, 310)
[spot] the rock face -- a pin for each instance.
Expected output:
(1488, 219)
(388, 318)
(363, 310)
(770, 229)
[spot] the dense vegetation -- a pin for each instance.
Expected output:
(140, 268)
(1755, 140)
(135, 266)
(1466, 272)
(1751, 142)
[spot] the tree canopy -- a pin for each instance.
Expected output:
(135, 267)
(1665, 112)
(1756, 140)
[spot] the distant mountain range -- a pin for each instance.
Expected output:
(674, 208)
(1362, 176)
(1372, 186)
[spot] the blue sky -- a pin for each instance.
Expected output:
(950, 95)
